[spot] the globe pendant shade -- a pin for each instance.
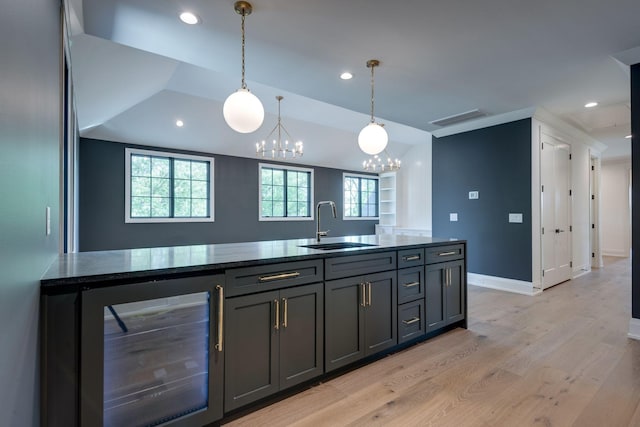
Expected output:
(373, 139)
(243, 111)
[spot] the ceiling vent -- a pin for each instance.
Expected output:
(457, 118)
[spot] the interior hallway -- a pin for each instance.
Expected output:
(559, 359)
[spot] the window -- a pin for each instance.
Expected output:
(360, 196)
(167, 187)
(285, 193)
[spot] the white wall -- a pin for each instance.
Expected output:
(615, 211)
(413, 188)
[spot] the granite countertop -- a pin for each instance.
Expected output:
(90, 267)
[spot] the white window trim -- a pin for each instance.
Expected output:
(127, 183)
(285, 218)
(344, 205)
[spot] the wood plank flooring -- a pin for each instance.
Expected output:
(559, 359)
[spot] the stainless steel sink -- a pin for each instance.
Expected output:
(336, 245)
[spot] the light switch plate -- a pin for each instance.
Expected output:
(515, 217)
(48, 221)
(474, 195)
(453, 217)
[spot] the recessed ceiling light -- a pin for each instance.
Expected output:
(346, 76)
(189, 18)
(628, 137)
(590, 104)
(179, 123)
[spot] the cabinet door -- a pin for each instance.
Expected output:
(344, 322)
(301, 334)
(381, 312)
(455, 297)
(435, 310)
(251, 371)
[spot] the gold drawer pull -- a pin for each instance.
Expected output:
(278, 277)
(411, 321)
(411, 257)
(411, 285)
(448, 253)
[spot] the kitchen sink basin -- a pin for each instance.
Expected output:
(336, 245)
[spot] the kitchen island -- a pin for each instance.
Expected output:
(187, 335)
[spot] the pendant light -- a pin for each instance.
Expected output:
(277, 148)
(242, 110)
(373, 138)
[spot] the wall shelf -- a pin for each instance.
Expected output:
(388, 198)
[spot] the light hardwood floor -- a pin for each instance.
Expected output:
(559, 359)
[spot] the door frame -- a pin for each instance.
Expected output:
(545, 135)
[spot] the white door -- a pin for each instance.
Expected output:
(556, 201)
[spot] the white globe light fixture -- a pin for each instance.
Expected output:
(373, 138)
(242, 110)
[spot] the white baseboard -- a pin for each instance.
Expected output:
(502, 284)
(614, 252)
(634, 329)
(580, 272)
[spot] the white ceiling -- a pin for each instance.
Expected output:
(137, 68)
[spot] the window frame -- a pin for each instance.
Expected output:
(166, 154)
(291, 168)
(344, 204)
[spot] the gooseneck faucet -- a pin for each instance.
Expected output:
(319, 233)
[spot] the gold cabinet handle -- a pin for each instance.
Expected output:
(220, 290)
(447, 253)
(411, 257)
(276, 324)
(411, 321)
(363, 292)
(278, 276)
(286, 314)
(410, 284)
(369, 296)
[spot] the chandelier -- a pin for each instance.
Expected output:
(373, 138)
(377, 164)
(242, 110)
(277, 148)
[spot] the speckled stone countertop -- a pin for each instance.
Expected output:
(91, 267)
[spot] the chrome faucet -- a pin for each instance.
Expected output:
(319, 233)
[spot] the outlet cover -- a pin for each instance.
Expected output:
(453, 217)
(474, 195)
(515, 218)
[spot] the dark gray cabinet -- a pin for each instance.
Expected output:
(445, 294)
(274, 340)
(360, 317)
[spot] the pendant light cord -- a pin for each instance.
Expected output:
(372, 97)
(244, 85)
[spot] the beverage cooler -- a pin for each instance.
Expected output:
(152, 353)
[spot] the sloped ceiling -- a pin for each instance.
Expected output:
(137, 68)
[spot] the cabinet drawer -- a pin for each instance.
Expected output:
(410, 320)
(355, 265)
(444, 253)
(410, 284)
(247, 280)
(410, 257)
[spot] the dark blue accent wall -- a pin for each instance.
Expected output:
(496, 162)
(102, 205)
(635, 186)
